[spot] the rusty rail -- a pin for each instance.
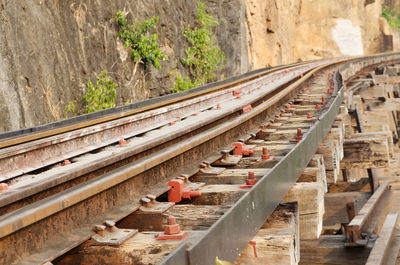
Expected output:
(117, 193)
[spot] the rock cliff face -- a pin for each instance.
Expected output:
(281, 32)
(50, 49)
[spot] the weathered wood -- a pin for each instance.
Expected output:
(284, 134)
(310, 199)
(218, 194)
(365, 150)
(361, 185)
(318, 161)
(190, 217)
(143, 248)
(374, 118)
(275, 150)
(375, 91)
(329, 249)
(230, 176)
(310, 174)
(382, 244)
(327, 149)
(336, 134)
(277, 242)
(335, 206)
(330, 151)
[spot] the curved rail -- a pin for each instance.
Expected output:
(29, 134)
(128, 183)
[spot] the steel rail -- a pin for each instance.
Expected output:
(26, 135)
(50, 150)
(35, 213)
(23, 217)
(250, 212)
(135, 147)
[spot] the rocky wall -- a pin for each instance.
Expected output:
(49, 50)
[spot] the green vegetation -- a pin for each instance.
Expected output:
(183, 84)
(101, 96)
(144, 46)
(392, 16)
(204, 57)
(70, 108)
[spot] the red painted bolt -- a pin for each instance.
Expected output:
(177, 191)
(236, 92)
(240, 149)
(172, 123)
(317, 106)
(66, 162)
(172, 227)
(323, 101)
(253, 244)
(299, 137)
(122, 142)
(246, 108)
(250, 181)
(288, 106)
(219, 106)
(172, 230)
(265, 154)
(260, 87)
(309, 116)
(195, 114)
(3, 186)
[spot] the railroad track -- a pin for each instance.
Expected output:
(64, 181)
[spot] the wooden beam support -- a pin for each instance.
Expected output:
(310, 199)
(277, 242)
(365, 150)
(359, 223)
(329, 249)
(336, 206)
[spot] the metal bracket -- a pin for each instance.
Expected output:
(150, 205)
(207, 169)
(109, 235)
(227, 159)
(189, 184)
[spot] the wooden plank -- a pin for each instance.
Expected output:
(230, 176)
(143, 248)
(365, 150)
(337, 134)
(310, 199)
(357, 225)
(277, 242)
(218, 194)
(335, 206)
(378, 253)
(274, 150)
(375, 91)
(374, 118)
(329, 249)
(318, 161)
(361, 185)
(190, 217)
(327, 149)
